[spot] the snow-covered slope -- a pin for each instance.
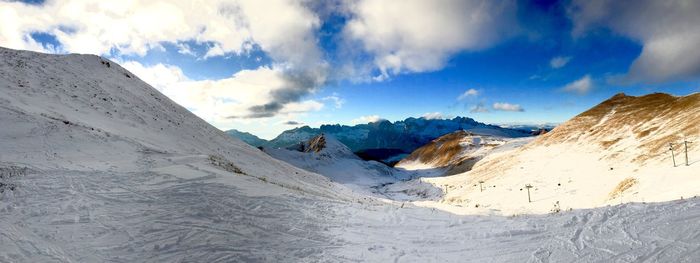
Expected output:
(616, 152)
(96, 165)
(325, 155)
(456, 152)
(86, 113)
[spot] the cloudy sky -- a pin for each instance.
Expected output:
(268, 66)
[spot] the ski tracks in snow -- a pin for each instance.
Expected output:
(665, 232)
(185, 213)
(70, 216)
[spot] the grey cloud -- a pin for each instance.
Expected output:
(393, 33)
(668, 30)
(263, 111)
(296, 86)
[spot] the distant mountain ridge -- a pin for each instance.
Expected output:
(247, 137)
(383, 140)
(406, 135)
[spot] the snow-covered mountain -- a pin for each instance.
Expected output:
(325, 155)
(247, 137)
(616, 152)
(84, 112)
(457, 152)
(402, 136)
(96, 165)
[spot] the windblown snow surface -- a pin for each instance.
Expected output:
(96, 165)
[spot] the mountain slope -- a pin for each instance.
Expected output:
(96, 165)
(87, 113)
(633, 129)
(246, 137)
(325, 155)
(615, 152)
(456, 152)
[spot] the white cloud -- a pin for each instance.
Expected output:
(218, 100)
(468, 93)
(580, 86)
(160, 76)
(226, 100)
(214, 51)
(366, 119)
(559, 62)
(285, 30)
(479, 108)
(668, 30)
(299, 107)
(504, 106)
(433, 116)
(185, 49)
(420, 36)
(337, 100)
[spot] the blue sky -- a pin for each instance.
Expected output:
(268, 67)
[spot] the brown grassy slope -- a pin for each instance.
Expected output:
(625, 128)
(440, 152)
(654, 120)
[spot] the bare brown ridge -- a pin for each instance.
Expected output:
(651, 121)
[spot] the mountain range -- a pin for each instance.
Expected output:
(384, 140)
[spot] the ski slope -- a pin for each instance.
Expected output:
(98, 166)
(88, 217)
